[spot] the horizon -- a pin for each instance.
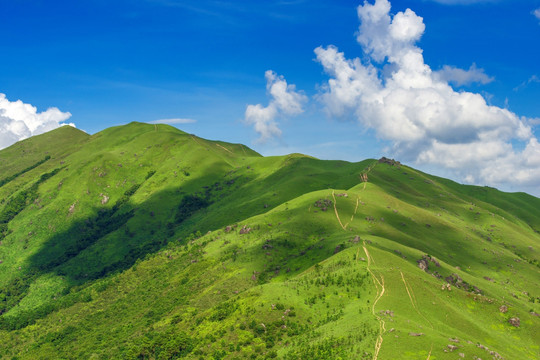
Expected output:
(424, 82)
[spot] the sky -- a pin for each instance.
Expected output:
(451, 87)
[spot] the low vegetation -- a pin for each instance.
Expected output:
(145, 242)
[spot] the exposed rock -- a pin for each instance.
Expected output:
(228, 229)
(245, 230)
(434, 261)
(423, 264)
(446, 287)
(323, 204)
(385, 160)
(503, 308)
(415, 334)
(514, 321)
(451, 347)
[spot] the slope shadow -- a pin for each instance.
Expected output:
(114, 239)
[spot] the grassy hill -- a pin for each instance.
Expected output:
(145, 242)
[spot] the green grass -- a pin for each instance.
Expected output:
(146, 242)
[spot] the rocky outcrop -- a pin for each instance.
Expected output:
(458, 282)
(423, 264)
(392, 162)
(514, 321)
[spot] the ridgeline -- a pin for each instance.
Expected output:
(145, 242)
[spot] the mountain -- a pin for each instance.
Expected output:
(146, 242)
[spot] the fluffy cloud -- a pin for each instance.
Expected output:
(398, 96)
(537, 13)
(462, 77)
(19, 121)
(285, 101)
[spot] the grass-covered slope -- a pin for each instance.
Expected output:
(145, 242)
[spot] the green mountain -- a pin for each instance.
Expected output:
(145, 242)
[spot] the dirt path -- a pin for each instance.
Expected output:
(355, 208)
(413, 302)
(379, 284)
(380, 293)
(224, 148)
(193, 137)
(415, 306)
(335, 210)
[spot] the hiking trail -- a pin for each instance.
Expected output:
(380, 293)
(415, 306)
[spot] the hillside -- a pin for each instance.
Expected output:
(145, 242)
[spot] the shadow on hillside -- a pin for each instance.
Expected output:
(114, 239)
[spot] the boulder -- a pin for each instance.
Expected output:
(514, 321)
(423, 264)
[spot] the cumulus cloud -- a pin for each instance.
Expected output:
(173, 121)
(395, 93)
(462, 77)
(285, 101)
(537, 13)
(19, 121)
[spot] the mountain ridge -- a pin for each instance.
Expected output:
(143, 241)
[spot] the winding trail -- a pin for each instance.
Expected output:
(335, 210)
(380, 293)
(379, 284)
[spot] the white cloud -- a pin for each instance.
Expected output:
(395, 93)
(532, 79)
(19, 121)
(462, 77)
(173, 121)
(285, 101)
(537, 13)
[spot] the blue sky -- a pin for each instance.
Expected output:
(111, 62)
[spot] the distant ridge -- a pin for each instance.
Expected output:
(145, 242)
